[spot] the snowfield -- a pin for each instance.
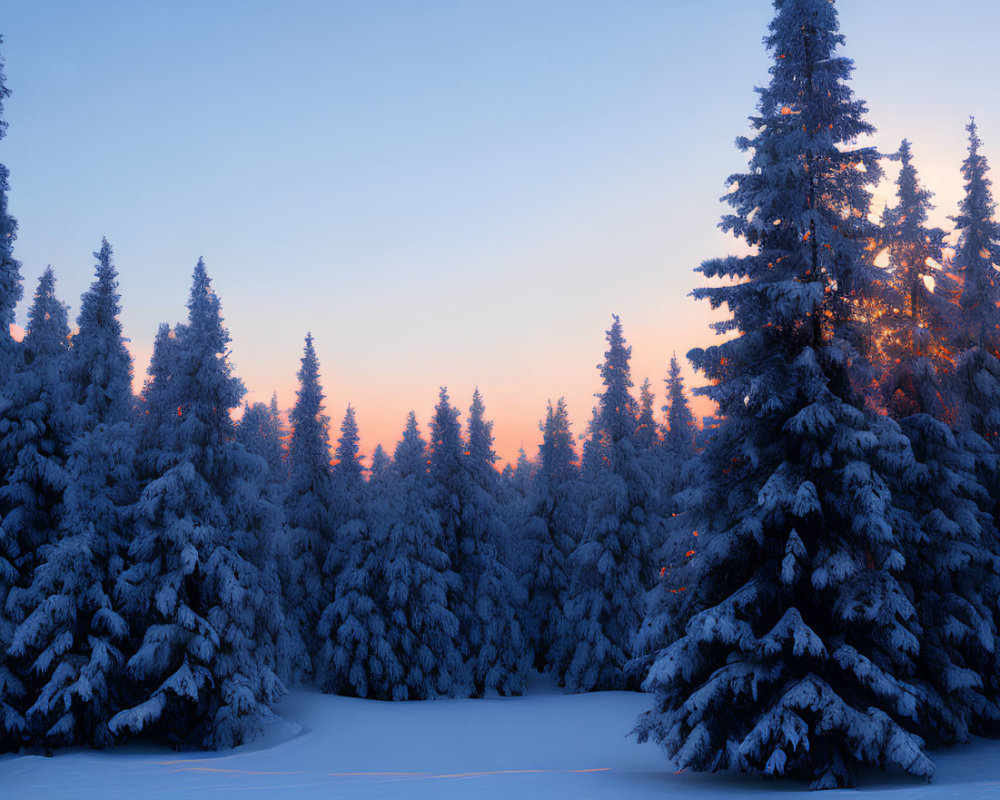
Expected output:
(544, 745)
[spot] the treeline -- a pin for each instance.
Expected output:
(167, 572)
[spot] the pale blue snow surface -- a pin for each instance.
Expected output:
(537, 746)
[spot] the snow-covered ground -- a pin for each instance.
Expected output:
(544, 745)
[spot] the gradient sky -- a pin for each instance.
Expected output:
(445, 192)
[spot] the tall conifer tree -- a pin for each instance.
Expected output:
(647, 436)
(204, 672)
(76, 630)
(449, 487)
(498, 649)
(680, 433)
(977, 332)
(348, 502)
(308, 503)
(604, 604)
(914, 333)
(950, 564)
(420, 578)
(549, 538)
(357, 656)
(35, 434)
(792, 651)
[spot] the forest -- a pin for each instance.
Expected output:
(805, 583)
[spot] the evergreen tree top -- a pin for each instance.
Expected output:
(916, 315)
(911, 242)
(523, 462)
(205, 339)
(446, 441)
(47, 332)
(680, 420)
(978, 252)
(205, 312)
(617, 408)
(556, 452)
(101, 367)
(99, 306)
(675, 385)
(191, 389)
(381, 464)
(259, 430)
(410, 457)
(159, 372)
(480, 432)
(978, 202)
(309, 403)
(803, 206)
(914, 201)
(646, 433)
(310, 441)
(347, 464)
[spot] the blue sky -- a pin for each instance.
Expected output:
(455, 193)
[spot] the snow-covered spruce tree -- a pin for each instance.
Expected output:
(389, 633)
(516, 482)
(649, 446)
(204, 670)
(419, 578)
(99, 370)
(914, 330)
(976, 341)
(348, 472)
(381, 463)
(447, 484)
(256, 506)
(358, 656)
(347, 476)
(951, 564)
(480, 460)
(498, 647)
(410, 457)
(308, 504)
(549, 538)
(11, 720)
(677, 454)
(74, 631)
(354, 656)
(977, 332)
(647, 435)
(279, 428)
(677, 542)
(590, 460)
(523, 473)
(792, 650)
(35, 433)
(604, 603)
(678, 439)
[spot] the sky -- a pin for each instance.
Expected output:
(448, 193)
